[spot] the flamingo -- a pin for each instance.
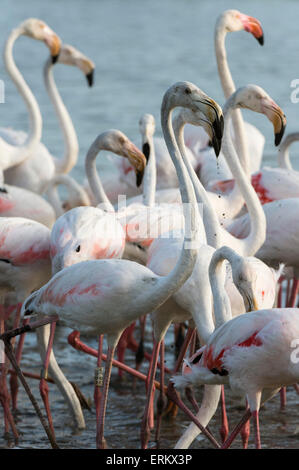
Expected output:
(20, 202)
(244, 133)
(193, 298)
(24, 266)
(37, 171)
(15, 153)
(229, 205)
(252, 352)
(90, 232)
(99, 287)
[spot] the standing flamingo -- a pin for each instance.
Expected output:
(37, 171)
(193, 298)
(12, 153)
(252, 353)
(247, 138)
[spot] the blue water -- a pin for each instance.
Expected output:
(140, 48)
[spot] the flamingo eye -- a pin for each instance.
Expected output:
(187, 91)
(78, 248)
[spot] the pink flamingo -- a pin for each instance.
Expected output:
(24, 266)
(105, 296)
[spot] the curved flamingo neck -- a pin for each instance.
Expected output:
(172, 282)
(251, 244)
(210, 219)
(150, 176)
(35, 119)
(222, 307)
(71, 146)
(229, 88)
(283, 156)
(93, 178)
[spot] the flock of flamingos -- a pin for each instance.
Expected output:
(212, 240)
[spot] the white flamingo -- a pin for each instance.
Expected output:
(15, 153)
(252, 353)
(97, 288)
(37, 171)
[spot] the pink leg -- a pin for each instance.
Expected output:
(236, 430)
(256, 424)
(43, 386)
(161, 400)
(224, 430)
(245, 431)
(100, 440)
(4, 395)
(14, 384)
(293, 295)
(171, 407)
(123, 344)
(173, 395)
(145, 427)
(76, 343)
(283, 398)
(98, 378)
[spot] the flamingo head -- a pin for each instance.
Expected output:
(256, 99)
(115, 141)
(188, 95)
(147, 129)
(198, 119)
(69, 55)
(37, 29)
(245, 278)
(234, 20)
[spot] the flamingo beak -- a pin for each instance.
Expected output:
(278, 119)
(90, 77)
(214, 141)
(213, 113)
(54, 44)
(137, 160)
(253, 26)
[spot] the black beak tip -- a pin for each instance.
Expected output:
(279, 136)
(218, 125)
(261, 40)
(54, 58)
(90, 78)
(216, 143)
(139, 178)
(146, 150)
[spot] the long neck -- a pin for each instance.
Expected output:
(229, 88)
(210, 219)
(35, 119)
(150, 176)
(184, 266)
(76, 194)
(94, 179)
(222, 308)
(250, 245)
(283, 155)
(71, 146)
